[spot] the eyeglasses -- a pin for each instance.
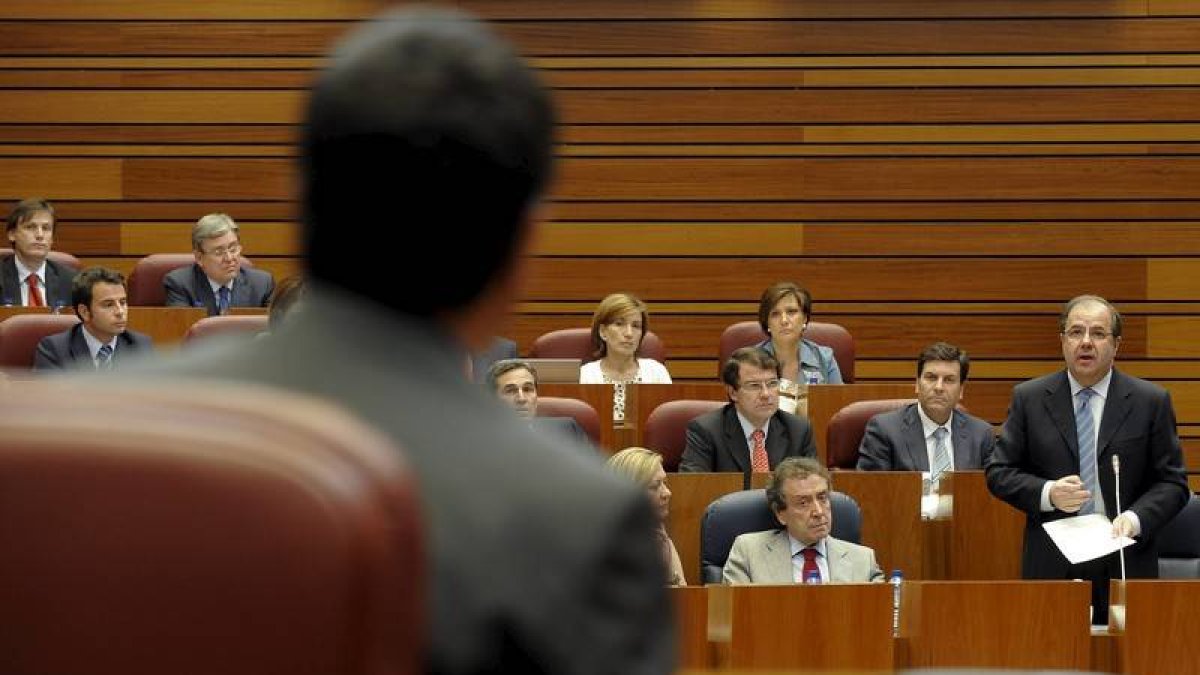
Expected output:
(221, 252)
(1078, 333)
(759, 387)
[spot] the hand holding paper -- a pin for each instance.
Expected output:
(1084, 538)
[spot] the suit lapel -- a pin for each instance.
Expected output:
(779, 558)
(8, 280)
(77, 346)
(240, 297)
(838, 565)
(1116, 409)
(777, 439)
(963, 447)
(204, 289)
(1058, 405)
(914, 439)
(735, 440)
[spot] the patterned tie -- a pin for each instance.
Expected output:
(104, 358)
(1085, 427)
(223, 300)
(941, 454)
(810, 565)
(758, 455)
(35, 293)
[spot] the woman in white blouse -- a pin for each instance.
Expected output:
(618, 327)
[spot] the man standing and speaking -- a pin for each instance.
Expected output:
(1054, 456)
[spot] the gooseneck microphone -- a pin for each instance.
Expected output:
(1116, 464)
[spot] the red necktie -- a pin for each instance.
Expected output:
(810, 564)
(758, 455)
(35, 293)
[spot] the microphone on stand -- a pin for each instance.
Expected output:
(1116, 465)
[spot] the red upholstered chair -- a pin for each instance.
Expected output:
(749, 333)
(582, 411)
(20, 334)
(195, 528)
(60, 257)
(146, 280)
(247, 325)
(666, 428)
(847, 426)
(576, 343)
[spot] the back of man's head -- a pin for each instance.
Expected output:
(427, 130)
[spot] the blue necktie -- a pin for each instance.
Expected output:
(104, 357)
(1085, 427)
(941, 454)
(223, 300)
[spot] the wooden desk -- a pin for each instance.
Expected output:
(996, 624)
(1162, 626)
(891, 517)
(691, 616)
(817, 627)
(165, 325)
(986, 534)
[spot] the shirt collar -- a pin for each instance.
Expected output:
(929, 426)
(797, 546)
(216, 287)
(748, 428)
(23, 272)
(94, 344)
(1100, 388)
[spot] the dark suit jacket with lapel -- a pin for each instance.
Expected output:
(564, 427)
(69, 349)
(895, 441)
(189, 287)
(715, 441)
(58, 283)
(1039, 443)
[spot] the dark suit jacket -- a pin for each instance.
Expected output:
(895, 441)
(539, 559)
(499, 350)
(189, 287)
(715, 441)
(1039, 443)
(564, 427)
(69, 349)
(58, 283)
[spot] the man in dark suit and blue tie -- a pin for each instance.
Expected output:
(218, 280)
(1054, 456)
(102, 339)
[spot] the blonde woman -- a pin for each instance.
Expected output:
(618, 327)
(644, 467)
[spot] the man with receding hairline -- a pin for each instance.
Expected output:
(1054, 456)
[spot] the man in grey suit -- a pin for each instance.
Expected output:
(798, 494)
(931, 434)
(515, 382)
(1054, 458)
(218, 280)
(749, 434)
(539, 560)
(28, 278)
(101, 340)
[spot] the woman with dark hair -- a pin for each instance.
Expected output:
(783, 313)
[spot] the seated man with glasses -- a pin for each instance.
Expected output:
(218, 280)
(750, 433)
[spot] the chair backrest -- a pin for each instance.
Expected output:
(1179, 544)
(576, 343)
(61, 257)
(847, 426)
(666, 428)
(832, 335)
(247, 325)
(146, 280)
(186, 527)
(20, 334)
(582, 411)
(747, 511)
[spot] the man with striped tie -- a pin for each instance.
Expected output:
(102, 338)
(1054, 456)
(931, 434)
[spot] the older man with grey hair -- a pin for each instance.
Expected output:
(218, 280)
